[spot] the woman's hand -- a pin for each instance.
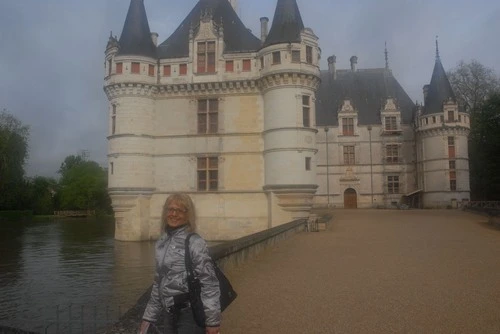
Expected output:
(212, 330)
(144, 327)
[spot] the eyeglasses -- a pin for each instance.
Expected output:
(176, 211)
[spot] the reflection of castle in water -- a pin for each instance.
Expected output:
(133, 271)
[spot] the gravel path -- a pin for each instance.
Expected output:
(374, 271)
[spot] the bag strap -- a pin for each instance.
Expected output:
(187, 257)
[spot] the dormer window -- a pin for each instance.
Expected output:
(451, 116)
(391, 123)
(348, 126)
(276, 57)
(206, 57)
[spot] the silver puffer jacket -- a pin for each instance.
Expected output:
(171, 276)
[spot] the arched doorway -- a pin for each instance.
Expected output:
(350, 199)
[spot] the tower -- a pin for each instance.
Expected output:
(129, 84)
(289, 79)
(442, 130)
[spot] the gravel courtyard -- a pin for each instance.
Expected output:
(374, 271)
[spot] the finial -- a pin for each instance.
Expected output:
(437, 48)
(386, 57)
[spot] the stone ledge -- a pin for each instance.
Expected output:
(227, 254)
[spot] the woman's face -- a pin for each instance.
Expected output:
(177, 214)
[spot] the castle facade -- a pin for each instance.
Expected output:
(258, 135)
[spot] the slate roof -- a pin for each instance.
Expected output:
(368, 91)
(237, 37)
(287, 24)
(136, 37)
(439, 90)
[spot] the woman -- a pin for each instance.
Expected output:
(170, 289)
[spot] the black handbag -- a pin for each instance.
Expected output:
(227, 293)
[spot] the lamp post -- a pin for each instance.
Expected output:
(327, 170)
(371, 162)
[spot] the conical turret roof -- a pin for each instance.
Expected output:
(136, 37)
(287, 23)
(439, 90)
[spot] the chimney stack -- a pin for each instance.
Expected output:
(331, 67)
(426, 91)
(263, 28)
(354, 61)
(154, 38)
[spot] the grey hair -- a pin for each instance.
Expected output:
(184, 200)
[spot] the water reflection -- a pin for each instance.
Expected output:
(67, 271)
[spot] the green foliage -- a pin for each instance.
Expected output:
(83, 186)
(484, 150)
(14, 138)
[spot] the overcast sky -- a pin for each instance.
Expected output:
(52, 54)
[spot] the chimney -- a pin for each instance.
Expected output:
(354, 61)
(331, 67)
(426, 90)
(263, 28)
(154, 38)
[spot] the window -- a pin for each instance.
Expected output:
(208, 117)
(348, 126)
(426, 121)
(306, 110)
(113, 120)
(393, 184)
(151, 70)
(453, 185)
(247, 65)
(451, 116)
(452, 164)
(451, 147)
(349, 155)
(261, 62)
(110, 63)
(229, 66)
(308, 163)
(167, 70)
(453, 174)
(208, 173)
(295, 56)
(182, 69)
(391, 124)
(111, 168)
(119, 68)
(433, 119)
(441, 118)
(460, 118)
(309, 54)
(276, 57)
(206, 57)
(392, 154)
(136, 68)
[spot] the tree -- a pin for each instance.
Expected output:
(485, 150)
(14, 137)
(473, 83)
(69, 162)
(83, 185)
(42, 195)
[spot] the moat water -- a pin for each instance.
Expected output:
(69, 276)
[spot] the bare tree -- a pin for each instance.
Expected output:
(473, 83)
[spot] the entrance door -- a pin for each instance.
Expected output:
(350, 199)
